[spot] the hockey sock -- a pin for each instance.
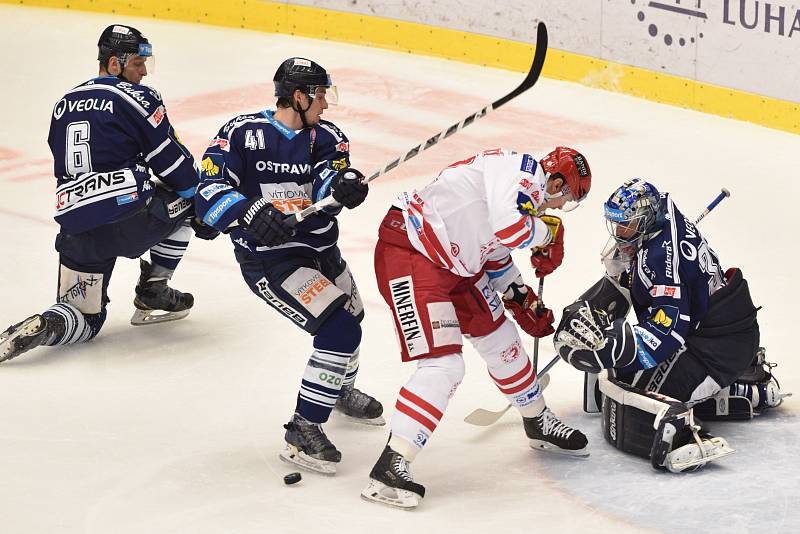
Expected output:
(166, 255)
(402, 446)
(352, 370)
(423, 400)
(335, 344)
(510, 369)
(74, 326)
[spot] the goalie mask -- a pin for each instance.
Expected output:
(633, 213)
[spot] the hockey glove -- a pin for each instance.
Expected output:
(547, 259)
(203, 231)
(589, 341)
(265, 223)
(522, 302)
(348, 188)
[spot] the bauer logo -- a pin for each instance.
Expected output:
(528, 164)
(288, 311)
(407, 316)
(178, 206)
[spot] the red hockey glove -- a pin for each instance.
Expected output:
(537, 322)
(547, 259)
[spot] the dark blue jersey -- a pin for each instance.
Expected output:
(671, 280)
(105, 136)
(257, 155)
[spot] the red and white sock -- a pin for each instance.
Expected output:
(423, 400)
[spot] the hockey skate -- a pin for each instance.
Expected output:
(28, 334)
(390, 482)
(680, 445)
(156, 302)
(766, 392)
(546, 432)
(308, 447)
(359, 407)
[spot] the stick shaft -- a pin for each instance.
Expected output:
(529, 81)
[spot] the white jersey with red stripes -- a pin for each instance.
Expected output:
(476, 211)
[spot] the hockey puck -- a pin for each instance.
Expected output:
(292, 478)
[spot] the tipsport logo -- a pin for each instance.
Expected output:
(691, 8)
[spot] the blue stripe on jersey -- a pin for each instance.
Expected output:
(497, 274)
(644, 357)
(187, 193)
(282, 128)
(221, 206)
(327, 176)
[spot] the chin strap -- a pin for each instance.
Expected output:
(302, 112)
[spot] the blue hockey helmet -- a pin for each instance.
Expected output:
(633, 212)
(123, 42)
(306, 75)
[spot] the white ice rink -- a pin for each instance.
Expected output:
(176, 428)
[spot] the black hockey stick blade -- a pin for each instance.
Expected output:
(536, 67)
(533, 75)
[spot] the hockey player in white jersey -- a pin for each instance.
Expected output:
(442, 257)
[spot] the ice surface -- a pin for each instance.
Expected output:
(176, 428)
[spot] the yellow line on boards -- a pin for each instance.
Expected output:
(472, 48)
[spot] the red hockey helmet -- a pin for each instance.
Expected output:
(573, 167)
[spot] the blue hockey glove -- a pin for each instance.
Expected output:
(265, 223)
(203, 231)
(348, 188)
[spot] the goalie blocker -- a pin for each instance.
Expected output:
(657, 427)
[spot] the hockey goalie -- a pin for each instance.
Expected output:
(694, 354)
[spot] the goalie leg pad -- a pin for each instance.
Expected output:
(654, 426)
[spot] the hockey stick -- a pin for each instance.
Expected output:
(536, 340)
(527, 83)
(722, 196)
(482, 417)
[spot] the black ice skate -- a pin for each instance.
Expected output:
(546, 432)
(156, 302)
(359, 407)
(28, 334)
(390, 482)
(308, 447)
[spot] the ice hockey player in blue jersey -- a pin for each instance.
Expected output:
(257, 173)
(106, 135)
(695, 349)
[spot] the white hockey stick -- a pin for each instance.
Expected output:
(527, 83)
(482, 417)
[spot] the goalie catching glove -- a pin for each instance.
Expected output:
(589, 341)
(548, 258)
(521, 301)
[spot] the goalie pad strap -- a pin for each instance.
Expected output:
(629, 415)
